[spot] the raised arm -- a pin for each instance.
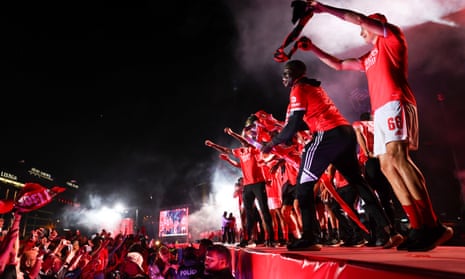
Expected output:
(228, 159)
(302, 13)
(353, 64)
(218, 147)
(238, 137)
(10, 245)
(351, 16)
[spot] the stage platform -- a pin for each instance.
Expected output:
(342, 262)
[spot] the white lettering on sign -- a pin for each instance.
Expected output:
(8, 175)
(39, 173)
(34, 198)
(72, 185)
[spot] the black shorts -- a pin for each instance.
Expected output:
(288, 194)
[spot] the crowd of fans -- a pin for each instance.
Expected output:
(44, 253)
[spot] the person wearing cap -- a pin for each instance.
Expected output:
(132, 266)
(395, 117)
(333, 142)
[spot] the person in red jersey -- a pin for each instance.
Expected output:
(238, 188)
(333, 142)
(254, 186)
(395, 117)
(274, 172)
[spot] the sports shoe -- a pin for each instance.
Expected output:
(246, 244)
(394, 241)
(430, 238)
(413, 234)
(354, 243)
(270, 243)
(303, 245)
(333, 242)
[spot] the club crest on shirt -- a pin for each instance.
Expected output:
(371, 59)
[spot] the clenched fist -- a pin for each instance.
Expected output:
(304, 43)
(280, 56)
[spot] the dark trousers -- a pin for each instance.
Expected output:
(349, 231)
(249, 194)
(381, 185)
(337, 146)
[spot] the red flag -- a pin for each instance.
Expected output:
(6, 206)
(34, 196)
(325, 179)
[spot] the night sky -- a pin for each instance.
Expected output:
(121, 96)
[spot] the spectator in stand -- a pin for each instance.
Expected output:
(218, 263)
(30, 263)
(9, 267)
(166, 263)
(204, 243)
(190, 266)
(132, 266)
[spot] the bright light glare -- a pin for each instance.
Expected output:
(119, 207)
(104, 218)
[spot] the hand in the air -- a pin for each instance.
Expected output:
(208, 143)
(304, 43)
(266, 148)
(224, 156)
(315, 6)
(280, 56)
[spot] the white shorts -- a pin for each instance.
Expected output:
(395, 122)
(274, 203)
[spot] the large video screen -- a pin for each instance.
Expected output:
(173, 222)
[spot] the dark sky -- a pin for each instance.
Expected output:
(116, 95)
(121, 96)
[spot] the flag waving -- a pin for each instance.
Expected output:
(33, 196)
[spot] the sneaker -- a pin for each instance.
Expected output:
(394, 241)
(430, 238)
(270, 243)
(354, 243)
(246, 244)
(413, 234)
(242, 244)
(303, 245)
(333, 242)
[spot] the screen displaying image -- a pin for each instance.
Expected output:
(173, 222)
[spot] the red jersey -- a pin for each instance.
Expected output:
(320, 112)
(291, 173)
(367, 129)
(274, 181)
(386, 69)
(268, 122)
(238, 194)
(248, 157)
